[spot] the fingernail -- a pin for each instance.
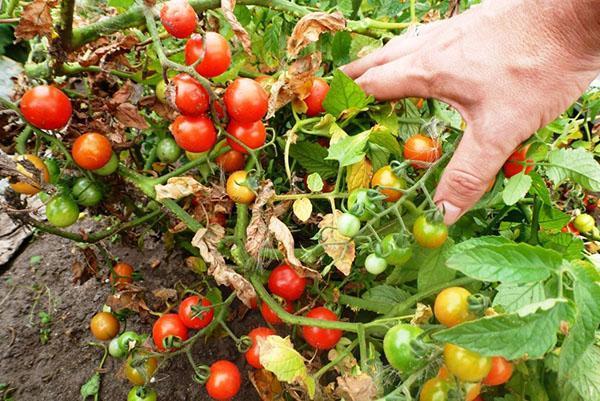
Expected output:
(451, 213)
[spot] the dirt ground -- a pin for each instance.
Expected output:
(57, 369)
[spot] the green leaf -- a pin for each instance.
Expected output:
(477, 242)
(385, 295)
(314, 182)
(539, 188)
(511, 336)
(378, 155)
(507, 263)
(386, 117)
(340, 48)
(312, 156)
(349, 150)
(568, 245)
(91, 387)
(120, 4)
(344, 96)
(552, 219)
(387, 140)
(272, 36)
(513, 297)
(516, 188)
(578, 165)
(433, 270)
(584, 377)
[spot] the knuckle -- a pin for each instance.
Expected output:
(464, 184)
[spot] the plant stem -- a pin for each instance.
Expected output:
(535, 221)
(362, 342)
(339, 358)
(21, 141)
(67, 7)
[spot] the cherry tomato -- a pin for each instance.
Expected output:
(471, 391)
(179, 18)
(108, 168)
(219, 110)
(286, 283)
(570, 228)
(224, 381)
(142, 371)
(114, 350)
(375, 264)
(395, 252)
(584, 223)
(231, 161)
(252, 355)
(104, 326)
(348, 225)
(216, 58)
(86, 192)
(187, 313)
(253, 135)
(270, 316)
(42, 172)
(422, 150)
(318, 337)
(591, 203)
(435, 389)
(467, 366)
(194, 134)
(314, 100)
(246, 101)
(46, 107)
(91, 151)
(62, 211)
(128, 339)
(160, 91)
(360, 204)
(168, 328)
(389, 183)
(237, 190)
(500, 373)
(452, 307)
(190, 97)
(429, 234)
(516, 162)
(121, 275)
(398, 348)
(139, 393)
(167, 150)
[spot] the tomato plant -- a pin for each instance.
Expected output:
(270, 316)
(231, 161)
(314, 100)
(251, 134)
(286, 283)
(104, 326)
(121, 274)
(451, 306)
(395, 250)
(62, 211)
(193, 318)
(194, 134)
(435, 389)
(246, 101)
(361, 204)
(348, 225)
(467, 366)
(139, 368)
(318, 337)
(584, 223)
(375, 264)
(46, 107)
(238, 189)
(252, 355)
(224, 380)
(213, 50)
(422, 150)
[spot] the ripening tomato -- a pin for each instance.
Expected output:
(429, 234)
(110, 167)
(62, 211)
(375, 264)
(270, 316)
(231, 161)
(452, 306)
(314, 100)
(224, 380)
(422, 150)
(86, 192)
(237, 188)
(584, 223)
(348, 225)
(500, 372)
(318, 337)
(471, 391)
(190, 317)
(91, 151)
(42, 172)
(215, 54)
(142, 371)
(194, 134)
(252, 355)
(167, 150)
(570, 228)
(179, 18)
(139, 393)
(467, 366)
(121, 275)
(104, 326)
(168, 332)
(128, 340)
(190, 97)
(389, 183)
(435, 389)
(46, 107)
(218, 218)
(516, 162)
(253, 135)
(398, 349)
(246, 101)
(286, 283)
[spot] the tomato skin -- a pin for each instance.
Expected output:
(452, 307)
(314, 100)
(253, 135)
(46, 107)
(500, 373)
(391, 185)
(375, 264)
(62, 211)
(360, 197)
(168, 325)
(231, 161)
(252, 355)
(318, 337)
(224, 381)
(138, 393)
(194, 134)
(238, 192)
(86, 192)
(127, 337)
(471, 391)
(286, 283)
(429, 234)
(179, 18)
(394, 253)
(114, 350)
(190, 97)
(104, 326)
(584, 223)
(246, 101)
(216, 59)
(91, 151)
(514, 164)
(422, 150)
(186, 313)
(167, 150)
(160, 91)
(110, 167)
(467, 366)
(23, 187)
(270, 316)
(435, 389)
(348, 225)
(398, 349)
(139, 375)
(121, 275)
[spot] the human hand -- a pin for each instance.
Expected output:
(509, 67)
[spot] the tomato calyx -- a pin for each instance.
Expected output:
(201, 373)
(478, 303)
(243, 344)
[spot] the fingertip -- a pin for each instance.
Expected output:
(450, 211)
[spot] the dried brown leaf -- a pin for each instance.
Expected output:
(340, 248)
(422, 314)
(241, 34)
(35, 20)
(310, 27)
(130, 117)
(177, 188)
(266, 384)
(165, 294)
(104, 50)
(257, 232)
(357, 388)
(82, 272)
(131, 299)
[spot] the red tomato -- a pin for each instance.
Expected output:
(46, 107)
(231, 161)
(318, 337)
(514, 164)
(270, 316)
(219, 110)
(224, 381)
(422, 150)
(215, 60)
(591, 203)
(286, 283)
(500, 373)
(179, 18)
(190, 96)
(253, 135)
(91, 151)
(194, 134)
(570, 228)
(186, 312)
(246, 101)
(252, 355)
(169, 325)
(314, 100)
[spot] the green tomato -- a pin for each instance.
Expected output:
(53, 169)
(398, 349)
(584, 223)
(375, 264)
(395, 253)
(115, 350)
(109, 167)
(161, 91)
(86, 192)
(62, 211)
(167, 150)
(125, 338)
(348, 225)
(140, 393)
(360, 204)
(429, 234)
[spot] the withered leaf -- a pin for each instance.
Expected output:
(241, 34)
(422, 314)
(177, 188)
(257, 232)
(35, 20)
(310, 27)
(131, 299)
(266, 384)
(130, 117)
(105, 49)
(340, 248)
(83, 271)
(357, 388)
(165, 294)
